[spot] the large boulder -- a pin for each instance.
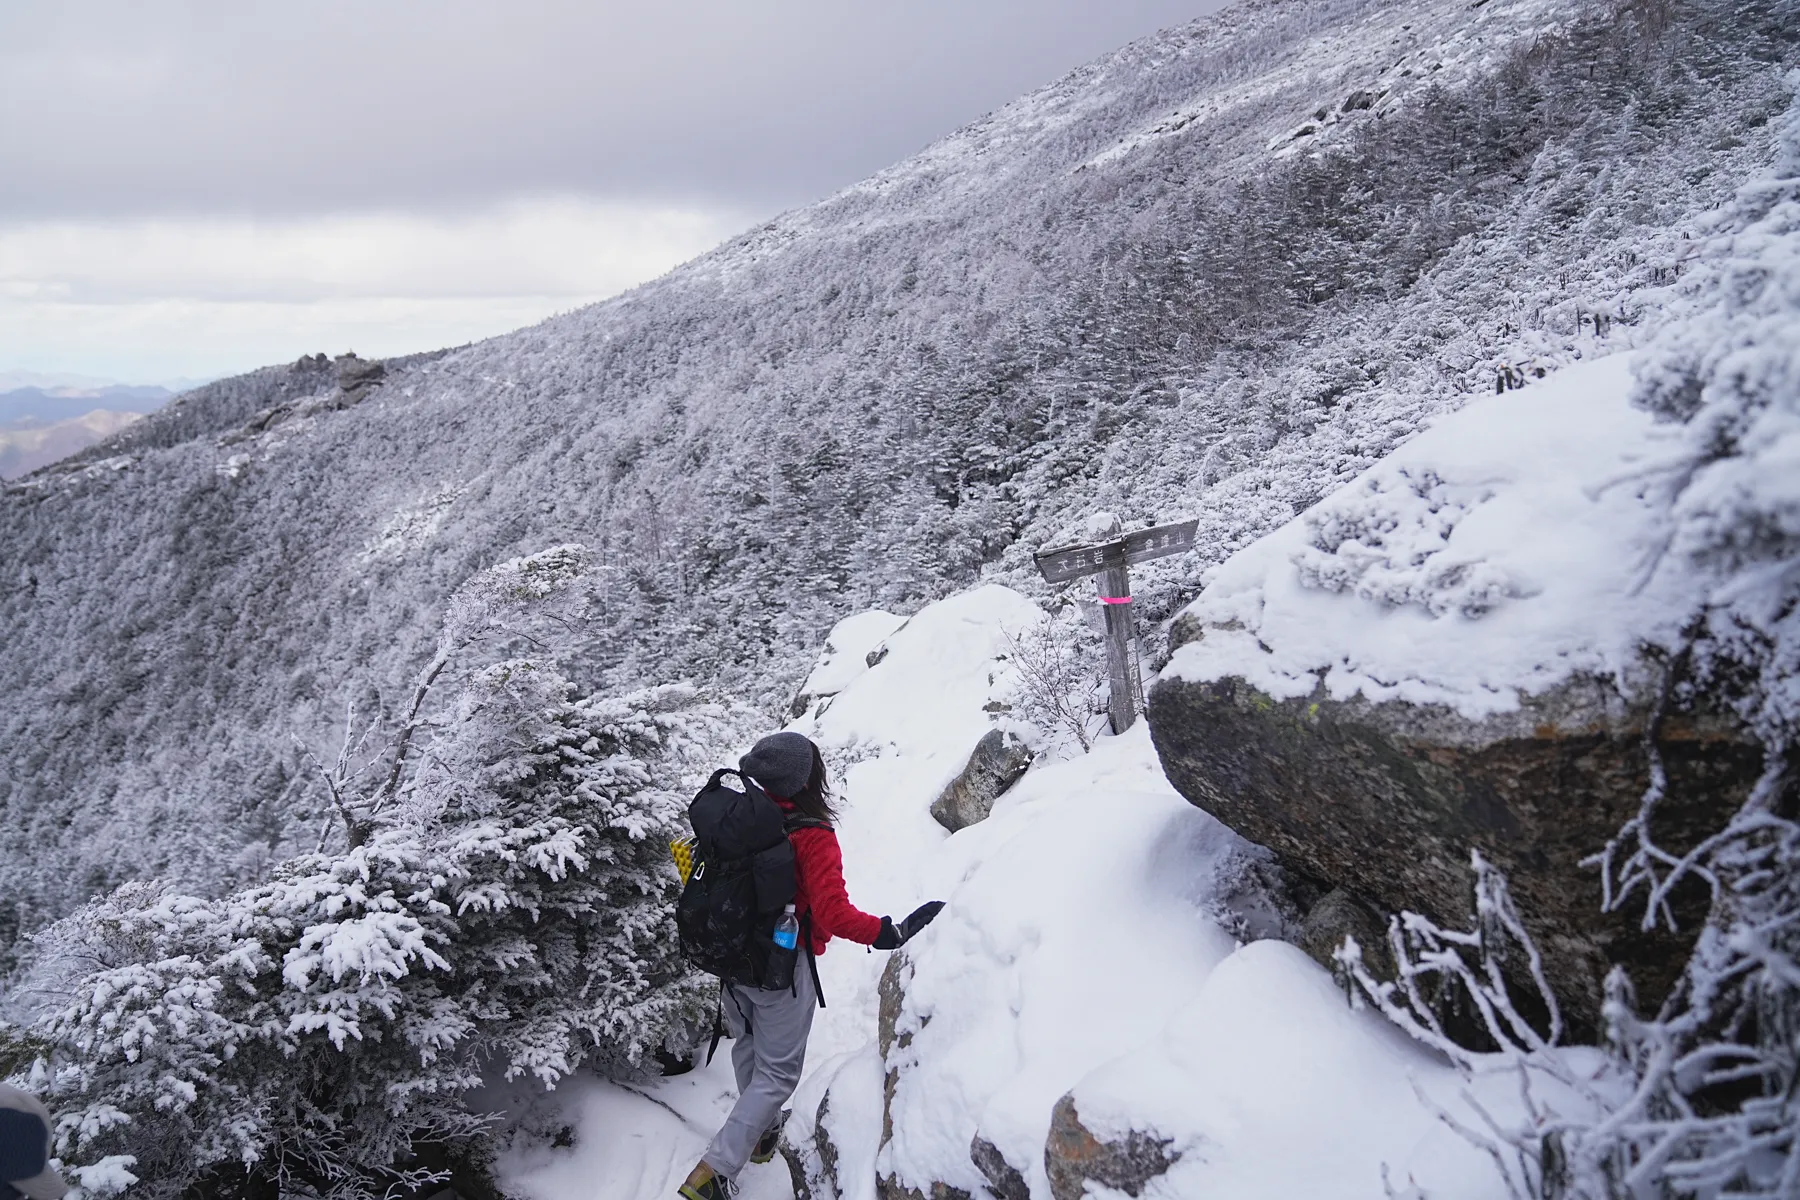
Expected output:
(849, 652)
(1466, 649)
(998, 761)
(357, 377)
(1386, 800)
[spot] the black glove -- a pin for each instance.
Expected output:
(891, 938)
(918, 919)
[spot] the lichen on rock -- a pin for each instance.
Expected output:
(1074, 1155)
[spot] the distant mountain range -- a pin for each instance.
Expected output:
(47, 418)
(27, 445)
(38, 404)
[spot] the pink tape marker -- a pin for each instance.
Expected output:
(1115, 599)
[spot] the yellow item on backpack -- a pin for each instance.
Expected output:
(683, 851)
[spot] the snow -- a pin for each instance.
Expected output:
(1075, 927)
(847, 651)
(1503, 550)
(1271, 1086)
(108, 1177)
(1082, 948)
(625, 1141)
(905, 729)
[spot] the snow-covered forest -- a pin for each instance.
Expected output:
(350, 707)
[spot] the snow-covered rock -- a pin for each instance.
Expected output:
(1076, 924)
(846, 655)
(996, 763)
(1267, 1085)
(1460, 649)
(1501, 552)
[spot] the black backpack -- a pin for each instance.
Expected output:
(742, 878)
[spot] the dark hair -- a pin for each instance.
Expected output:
(814, 800)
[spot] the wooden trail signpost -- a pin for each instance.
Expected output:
(1109, 559)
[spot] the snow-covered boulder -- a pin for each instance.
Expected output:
(997, 762)
(1074, 1156)
(1077, 922)
(1460, 649)
(1264, 1084)
(853, 642)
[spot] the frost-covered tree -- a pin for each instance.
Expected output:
(502, 908)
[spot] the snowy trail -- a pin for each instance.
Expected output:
(904, 729)
(1084, 952)
(630, 1142)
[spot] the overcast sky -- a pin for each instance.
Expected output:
(196, 188)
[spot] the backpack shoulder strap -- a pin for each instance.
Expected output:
(794, 821)
(812, 962)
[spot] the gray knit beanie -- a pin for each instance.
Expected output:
(781, 762)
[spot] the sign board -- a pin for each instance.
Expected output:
(1071, 562)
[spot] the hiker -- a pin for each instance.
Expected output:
(771, 1024)
(25, 1169)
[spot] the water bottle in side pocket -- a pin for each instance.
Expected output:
(784, 952)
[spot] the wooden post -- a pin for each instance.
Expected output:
(1115, 601)
(1109, 560)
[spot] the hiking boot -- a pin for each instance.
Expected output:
(766, 1145)
(713, 1187)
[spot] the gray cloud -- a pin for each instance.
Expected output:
(125, 107)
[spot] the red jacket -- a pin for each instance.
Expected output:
(819, 872)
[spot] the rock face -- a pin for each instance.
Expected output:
(1387, 800)
(1074, 1155)
(999, 759)
(814, 1161)
(356, 377)
(891, 993)
(1337, 916)
(1004, 1179)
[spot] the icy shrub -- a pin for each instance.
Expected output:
(1732, 377)
(1699, 1100)
(508, 913)
(1388, 541)
(1062, 680)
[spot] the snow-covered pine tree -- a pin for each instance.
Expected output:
(506, 913)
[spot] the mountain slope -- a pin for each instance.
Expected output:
(1215, 274)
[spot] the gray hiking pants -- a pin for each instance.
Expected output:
(771, 1030)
